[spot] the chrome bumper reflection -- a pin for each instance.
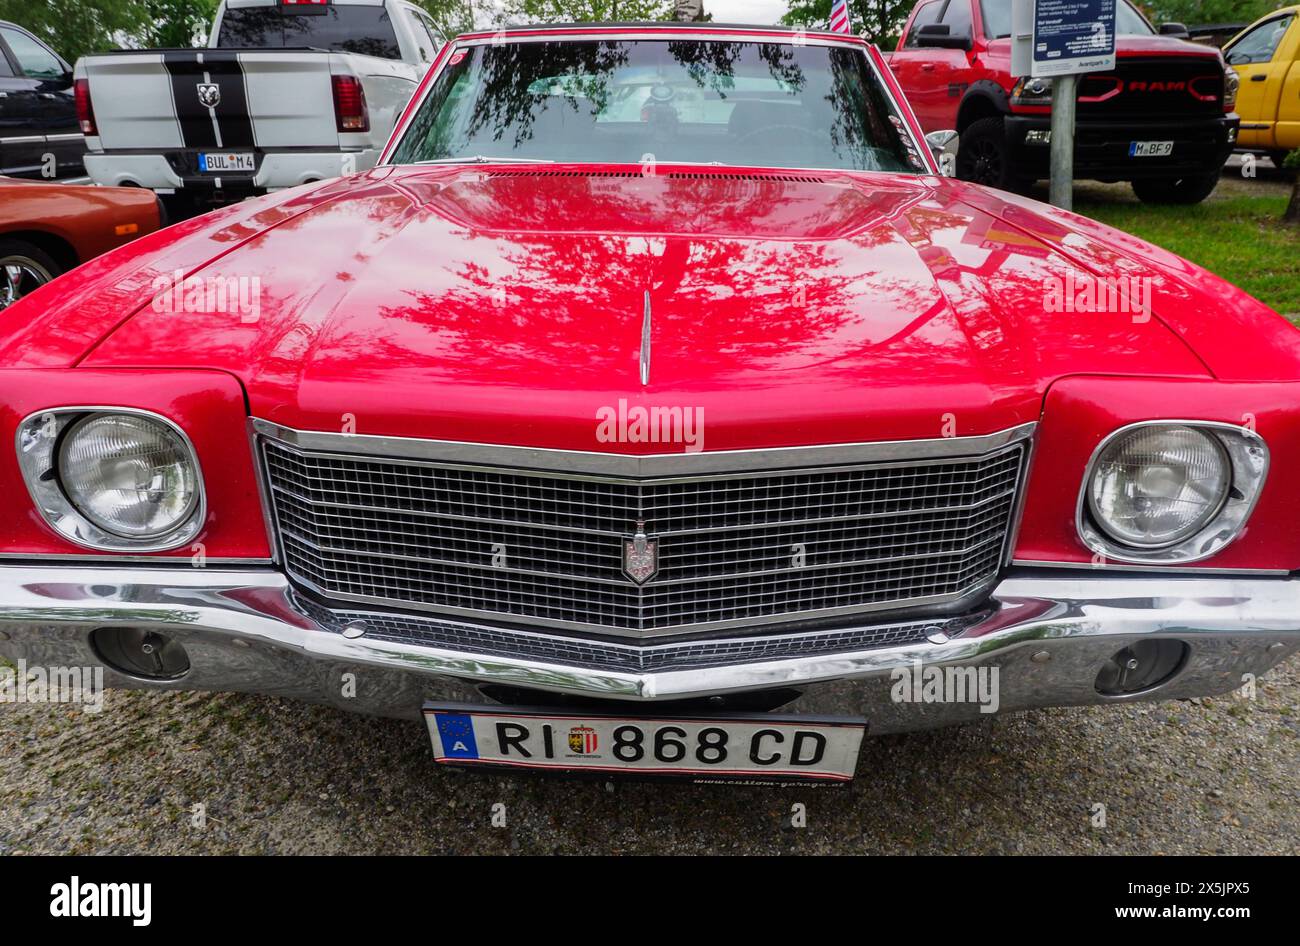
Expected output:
(1049, 633)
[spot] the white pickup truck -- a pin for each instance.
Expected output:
(287, 92)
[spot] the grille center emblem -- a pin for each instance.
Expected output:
(640, 556)
(209, 94)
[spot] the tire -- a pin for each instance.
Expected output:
(178, 207)
(983, 157)
(23, 267)
(1191, 189)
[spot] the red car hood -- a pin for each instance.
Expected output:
(507, 305)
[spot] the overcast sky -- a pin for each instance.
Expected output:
(746, 11)
(755, 12)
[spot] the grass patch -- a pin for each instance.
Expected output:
(1241, 238)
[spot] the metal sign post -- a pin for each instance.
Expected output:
(1062, 39)
(1061, 185)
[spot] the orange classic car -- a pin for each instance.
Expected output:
(47, 229)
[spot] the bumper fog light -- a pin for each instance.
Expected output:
(140, 653)
(1141, 666)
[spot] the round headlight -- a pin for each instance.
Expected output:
(130, 475)
(1159, 485)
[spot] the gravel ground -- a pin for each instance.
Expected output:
(1204, 776)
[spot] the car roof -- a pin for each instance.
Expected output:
(642, 26)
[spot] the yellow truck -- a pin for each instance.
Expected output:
(1267, 56)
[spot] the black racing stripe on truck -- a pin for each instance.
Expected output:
(232, 114)
(194, 119)
(224, 71)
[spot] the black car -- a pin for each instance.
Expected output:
(39, 134)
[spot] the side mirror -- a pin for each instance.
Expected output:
(1175, 29)
(941, 36)
(943, 145)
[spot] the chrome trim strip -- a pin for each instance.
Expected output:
(727, 463)
(755, 34)
(264, 492)
(1018, 511)
(1219, 532)
(645, 342)
(1173, 571)
(176, 560)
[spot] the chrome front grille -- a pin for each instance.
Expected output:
(548, 548)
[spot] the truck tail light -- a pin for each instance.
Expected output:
(85, 110)
(350, 104)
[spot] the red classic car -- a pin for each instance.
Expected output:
(48, 228)
(654, 405)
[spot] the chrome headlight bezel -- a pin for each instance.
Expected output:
(39, 440)
(1247, 457)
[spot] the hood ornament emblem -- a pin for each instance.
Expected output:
(645, 342)
(640, 556)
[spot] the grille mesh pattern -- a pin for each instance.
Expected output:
(605, 655)
(741, 549)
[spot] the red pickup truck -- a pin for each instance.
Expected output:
(1163, 119)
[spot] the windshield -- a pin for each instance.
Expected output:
(997, 20)
(626, 102)
(345, 29)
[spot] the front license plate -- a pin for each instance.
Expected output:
(742, 746)
(1150, 149)
(227, 161)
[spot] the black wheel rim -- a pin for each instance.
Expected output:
(983, 162)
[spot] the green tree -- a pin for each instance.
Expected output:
(173, 24)
(73, 27)
(1203, 12)
(77, 27)
(584, 11)
(453, 16)
(880, 21)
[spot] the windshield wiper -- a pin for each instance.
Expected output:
(484, 159)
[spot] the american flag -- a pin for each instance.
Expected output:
(840, 17)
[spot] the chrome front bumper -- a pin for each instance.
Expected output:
(1047, 632)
